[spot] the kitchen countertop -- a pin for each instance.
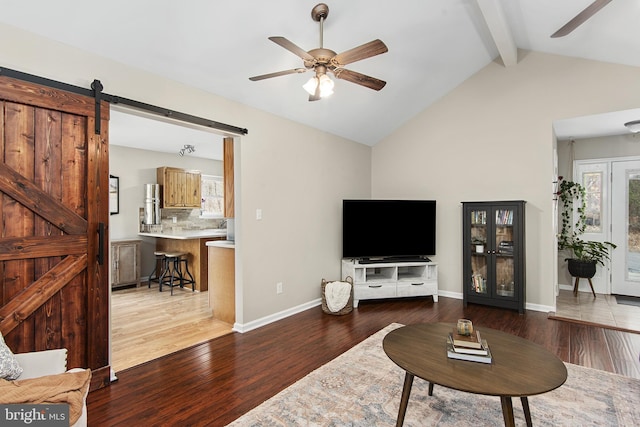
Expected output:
(229, 244)
(189, 234)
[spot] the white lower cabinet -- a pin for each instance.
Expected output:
(391, 280)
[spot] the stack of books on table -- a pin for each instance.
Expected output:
(472, 348)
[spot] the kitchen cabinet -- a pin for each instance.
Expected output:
(179, 188)
(125, 263)
(196, 256)
(229, 188)
(494, 254)
(222, 298)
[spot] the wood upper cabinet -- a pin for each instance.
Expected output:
(179, 188)
(229, 211)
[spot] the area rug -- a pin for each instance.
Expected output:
(626, 300)
(362, 387)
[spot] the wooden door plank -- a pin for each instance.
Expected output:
(74, 153)
(14, 248)
(3, 298)
(53, 99)
(17, 219)
(24, 304)
(47, 167)
(97, 287)
(22, 190)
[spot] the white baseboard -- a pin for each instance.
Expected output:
(246, 327)
(527, 306)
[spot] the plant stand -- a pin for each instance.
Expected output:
(575, 286)
(582, 270)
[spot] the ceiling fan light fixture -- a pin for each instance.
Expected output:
(310, 85)
(633, 126)
(326, 85)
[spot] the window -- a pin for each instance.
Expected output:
(592, 182)
(212, 196)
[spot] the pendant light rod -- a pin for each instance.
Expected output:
(319, 13)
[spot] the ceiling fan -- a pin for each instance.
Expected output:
(580, 18)
(324, 61)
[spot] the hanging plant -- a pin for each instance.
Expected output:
(570, 193)
(570, 231)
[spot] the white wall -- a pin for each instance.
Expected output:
(491, 139)
(297, 175)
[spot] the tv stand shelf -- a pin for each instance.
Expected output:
(391, 279)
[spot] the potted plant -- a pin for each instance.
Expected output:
(585, 254)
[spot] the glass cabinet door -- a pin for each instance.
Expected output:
(479, 251)
(505, 270)
(494, 254)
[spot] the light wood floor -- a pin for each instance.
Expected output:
(147, 324)
(601, 310)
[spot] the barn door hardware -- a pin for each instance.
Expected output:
(101, 230)
(97, 87)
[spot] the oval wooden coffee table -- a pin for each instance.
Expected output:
(520, 368)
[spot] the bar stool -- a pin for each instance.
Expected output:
(158, 269)
(177, 271)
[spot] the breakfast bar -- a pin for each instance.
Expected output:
(193, 243)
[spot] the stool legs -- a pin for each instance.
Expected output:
(176, 272)
(158, 269)
(188, 273)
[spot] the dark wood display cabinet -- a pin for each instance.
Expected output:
(494, 254)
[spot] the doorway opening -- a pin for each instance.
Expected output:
(615, 185)
(145, 323)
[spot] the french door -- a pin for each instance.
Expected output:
(626, 228)
(594, 177)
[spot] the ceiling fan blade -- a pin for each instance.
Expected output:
(367, 50)
(277, 74)
(291, 47)
(358, 78)
(580, 18)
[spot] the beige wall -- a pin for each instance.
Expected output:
(297, 175)
(491, 139)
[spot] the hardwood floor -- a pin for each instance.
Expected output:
(213, 383)
(147, 324)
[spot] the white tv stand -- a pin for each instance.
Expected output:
(391, 279)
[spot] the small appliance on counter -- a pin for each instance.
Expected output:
(151, 218)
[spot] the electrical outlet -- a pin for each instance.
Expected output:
(279, 288)
(175, 219)
(258, 213)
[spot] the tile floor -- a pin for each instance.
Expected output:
(602, 310)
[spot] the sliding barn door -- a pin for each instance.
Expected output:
(54, 176)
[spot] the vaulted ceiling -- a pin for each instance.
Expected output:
(434, 45)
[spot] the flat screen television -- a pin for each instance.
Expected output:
(388, 229)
